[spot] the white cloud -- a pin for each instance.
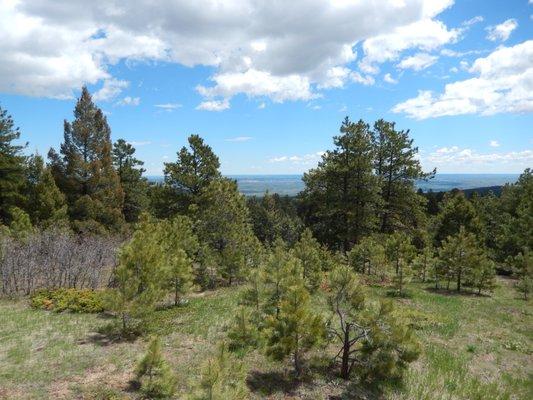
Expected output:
(504, 83)
(111, 88)
(454, 70)
(214, 105)
(389, 79)
(426, 34)
(465, 159)
(364, 80)
(418, 62)
(502, 31)
(306, 159)
(494, 143)
(285, 50)
(473, 21)
(140, 143)
(129, 101)
(239, 139)
(168, 106)
(453, 53)
(259, 83)
(261, 105)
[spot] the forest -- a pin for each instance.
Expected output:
(359, 287)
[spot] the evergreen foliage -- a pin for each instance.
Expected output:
(308, 251)
(223, 224)
(139, 277)
(523, 271)
(464, 260)
(84, 170)
(274, 216)
(222, 377)
(193, 171)
(45, 203)
(20, 226)
(368, 257)
(342, 193)
(135, 187)
(296, 329)
(455, 213)
(12, 167)
(424, 263)
(397, 167)
(154, 374)
(373, 342)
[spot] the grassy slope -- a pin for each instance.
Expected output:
(474, 348)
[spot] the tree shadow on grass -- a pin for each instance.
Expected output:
(268, 383)
(110, 334)
(394, 294)
(454, 293)
(354, 391)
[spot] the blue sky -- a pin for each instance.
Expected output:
(268, 85)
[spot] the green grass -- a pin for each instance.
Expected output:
(474, 348)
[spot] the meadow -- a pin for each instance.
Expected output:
(474, 347)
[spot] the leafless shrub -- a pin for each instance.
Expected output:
(55, 258)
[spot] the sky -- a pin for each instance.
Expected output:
(267, 83)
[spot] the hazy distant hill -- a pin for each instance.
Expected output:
(291, 185)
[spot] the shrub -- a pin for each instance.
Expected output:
(73, 300)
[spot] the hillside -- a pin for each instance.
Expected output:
(473, 348)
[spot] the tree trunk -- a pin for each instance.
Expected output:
(459, 280)
(345, 367)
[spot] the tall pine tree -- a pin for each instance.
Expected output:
(84, 169)
(342, 192)
(397, 166)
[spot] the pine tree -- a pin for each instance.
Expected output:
(12, 167)
(280, 271)
(463, 258)
(342, 193)
(455, 213)
(223, 223)
(243, 332)
(346, 300)
(523, 270)
(193, 171)
(398, 168)
(368, 257)
(84, 169)
(139, 277)
(399, 249)
(274, 216)
(373, 342)
(179, 245)
(46, 204)
(296, 329)
(307, 250)
(154, 374)
(222, 377)
(20, 226)
(135, 187)
(424, 263)
(516, 222)
(388, 348)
